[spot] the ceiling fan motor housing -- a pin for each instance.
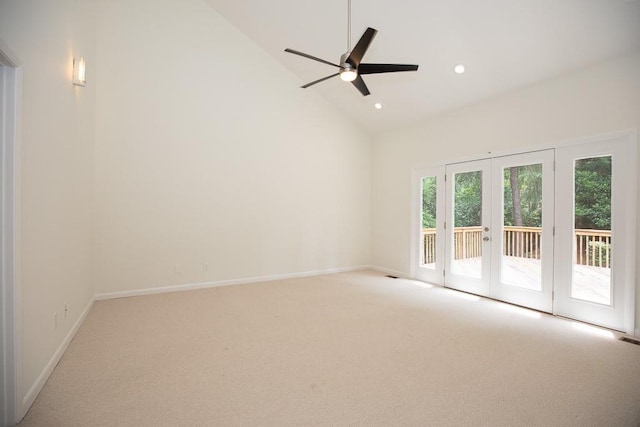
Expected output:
(348, 72)
(343, 60)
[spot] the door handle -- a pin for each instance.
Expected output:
(485, 238)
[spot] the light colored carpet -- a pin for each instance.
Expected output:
(354, 349)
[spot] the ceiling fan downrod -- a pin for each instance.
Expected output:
(348, 72)
(349, 27)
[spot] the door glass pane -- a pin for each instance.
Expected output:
(522, 231)
(428, 241)
(467, 230)
(592, 227)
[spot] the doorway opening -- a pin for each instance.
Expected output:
(499, 234)
(552, 230)
(9, 93)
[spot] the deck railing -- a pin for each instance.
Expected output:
(523, 242)
(593, 247)
(467, 242)
(428, 245)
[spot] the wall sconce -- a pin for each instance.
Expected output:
(79, 68)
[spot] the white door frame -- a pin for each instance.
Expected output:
(621, 314)
(10, 338)
(629, 135)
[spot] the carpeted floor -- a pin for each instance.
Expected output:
(355, 349)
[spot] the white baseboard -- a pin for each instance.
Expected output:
(215, 284)
(30, 397)
(389, 271)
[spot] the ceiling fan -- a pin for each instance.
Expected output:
(351, 67)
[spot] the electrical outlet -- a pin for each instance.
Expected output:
(178, 268)
(66, 310)
(205, 266)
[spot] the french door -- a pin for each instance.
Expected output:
(553, 230)
(499, 228)
(467, 227)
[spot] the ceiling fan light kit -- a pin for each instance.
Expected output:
(347, 72)
(351, 68)
(348, 75)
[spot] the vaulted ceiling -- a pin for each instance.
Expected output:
(503, 44)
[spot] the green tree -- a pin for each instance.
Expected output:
(592, 196)
(523, 187)
(468, 199)
(516, 198)
(429, 194)
(593, 193)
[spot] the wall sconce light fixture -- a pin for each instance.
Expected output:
(79, 68)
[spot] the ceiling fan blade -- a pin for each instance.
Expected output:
(385, 68)
(295, 52)
(361, 47)
(319, 80)
(359, 84)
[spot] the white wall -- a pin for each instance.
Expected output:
(56, 178)
(601, 99)
(208, 152)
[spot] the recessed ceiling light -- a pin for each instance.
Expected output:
(378, 106)
(459, 69)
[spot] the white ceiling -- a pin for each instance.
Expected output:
(504, 45)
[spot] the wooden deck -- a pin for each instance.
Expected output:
(590, 283)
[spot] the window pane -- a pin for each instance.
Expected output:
(428, 242)
(592, 216)
(467, 232)
(522, 231)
